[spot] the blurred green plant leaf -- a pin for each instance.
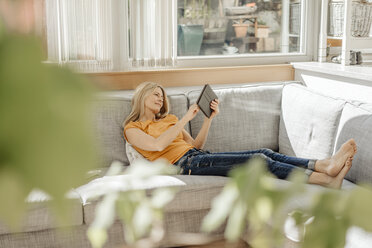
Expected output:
(105, 217)
(334, 212)
(299, 217)
(142, 218)
(45, 135)
(162, 196)
(359, 211)
(141, 214)
(12, 186)
(116, 168)
(253, 196)
(236, 221)
(126, 208)
(264, 208)
(143, 168)
(221, 207)
(97, 237)
(2, 29)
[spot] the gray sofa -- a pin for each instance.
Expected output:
(283, 116)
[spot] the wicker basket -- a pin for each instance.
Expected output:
(360, 21)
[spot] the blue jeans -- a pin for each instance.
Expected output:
(199, 162)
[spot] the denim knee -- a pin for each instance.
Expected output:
(261, 155)
(266, 151)
(196, 161)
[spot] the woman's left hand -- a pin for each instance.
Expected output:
(214, 107)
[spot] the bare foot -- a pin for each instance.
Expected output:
(336, 182)
(328, 181)
(334, 165)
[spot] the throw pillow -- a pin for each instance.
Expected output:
(132, 154)
(308, 122)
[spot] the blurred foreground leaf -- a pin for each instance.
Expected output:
(252, 198)
(45, 137)
(142, 215)
(334, 213)
(253, 201)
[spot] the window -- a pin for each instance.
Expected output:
(241, 32)
(224, 27)
(85, 34)
(111, 35)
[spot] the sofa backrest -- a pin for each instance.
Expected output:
(109, 112)
(286, 116)
(108, 116)
(356, 122)
(314, 125)
(249, 118)
(256, 105)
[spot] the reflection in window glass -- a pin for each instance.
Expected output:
(230, 27)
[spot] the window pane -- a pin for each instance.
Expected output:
(232, 27)
(79, 33)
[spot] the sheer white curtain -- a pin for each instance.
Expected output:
(104, 35)
(152, 31)
(89, 35)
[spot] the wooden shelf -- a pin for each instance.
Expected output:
(245, 39)
(354, 42)
(214, 30)
(334, 42)
(213, 41)
(232, 17)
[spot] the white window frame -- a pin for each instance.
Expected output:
(309, 32)
(310, 13)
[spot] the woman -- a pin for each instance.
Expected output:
(156, 134)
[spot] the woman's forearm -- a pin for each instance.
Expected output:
(166, 138)
(203, 134)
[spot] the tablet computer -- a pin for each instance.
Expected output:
(207, 95)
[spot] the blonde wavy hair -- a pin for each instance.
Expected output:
(138, 102)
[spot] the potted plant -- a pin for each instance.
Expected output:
(241, 28)
(262, 30)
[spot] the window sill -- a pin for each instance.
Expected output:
(361, 72)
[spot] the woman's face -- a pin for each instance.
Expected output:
(154, 101)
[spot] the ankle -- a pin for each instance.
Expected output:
(320, 179)
(321, 165)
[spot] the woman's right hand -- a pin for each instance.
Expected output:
(192, 112)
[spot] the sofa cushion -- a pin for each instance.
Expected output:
(356, 122)
(109, 112)
(248, 119)
(39, 216)
(179, 106)
(132, 153)
(308, 122)
(195, 192)
(109, 115)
